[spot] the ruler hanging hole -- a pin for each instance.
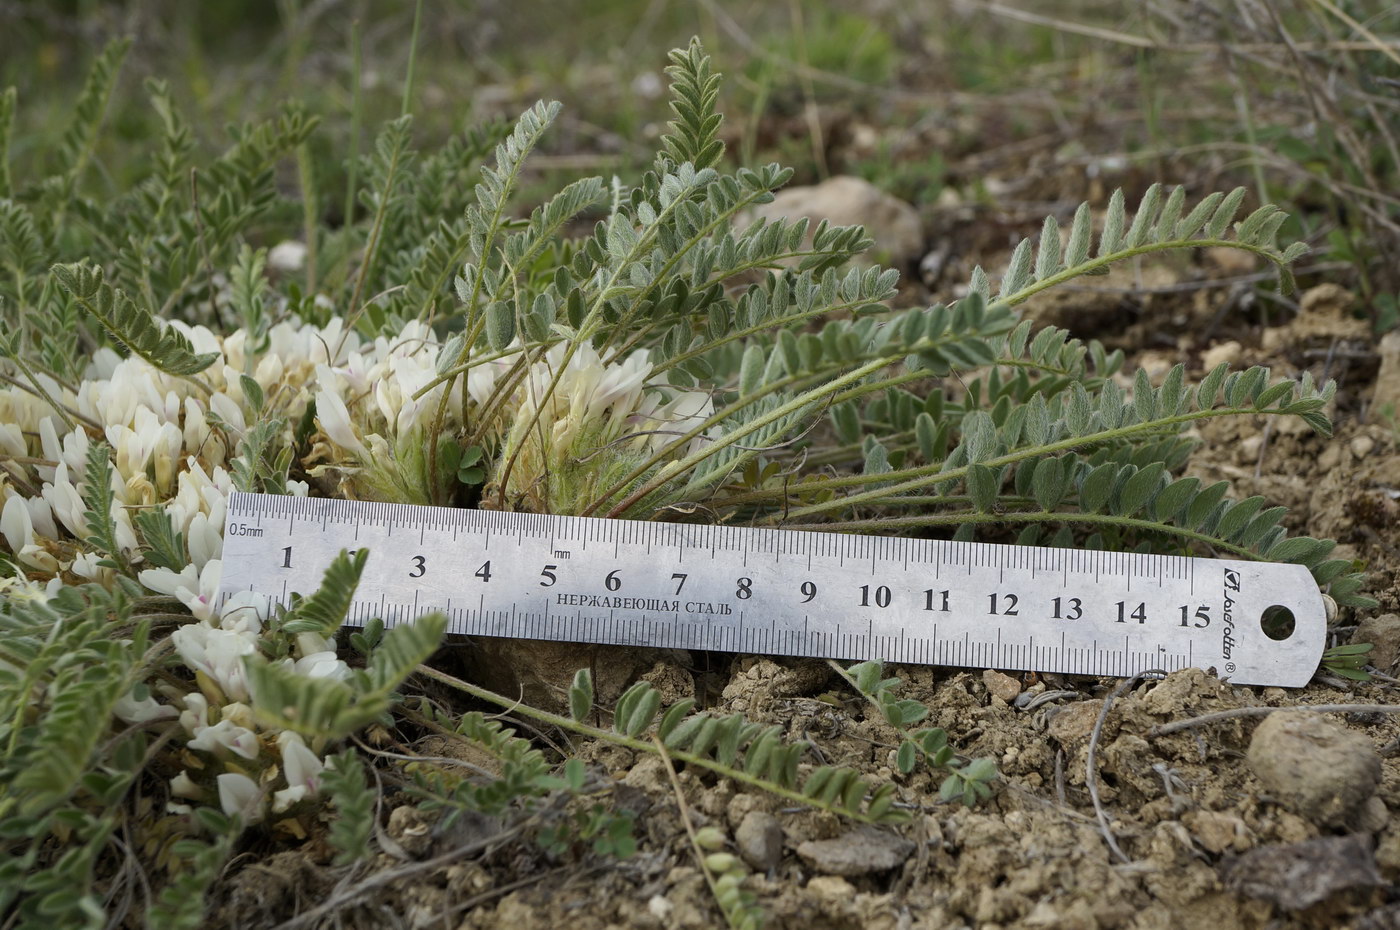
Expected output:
(1277, 622)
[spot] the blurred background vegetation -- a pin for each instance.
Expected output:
(985, 115)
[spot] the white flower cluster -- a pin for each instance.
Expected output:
(565, 427)
(598, 421)
(171, 442)
(374, 425)
(569, 427)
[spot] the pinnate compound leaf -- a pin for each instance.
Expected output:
(324, 611)
(132, 327)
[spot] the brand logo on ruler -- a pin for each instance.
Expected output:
(785, 592)
(1228, 644)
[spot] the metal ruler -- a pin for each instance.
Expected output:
(785, 592)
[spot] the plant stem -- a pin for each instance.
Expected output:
(306, 176)
(919, 477)
(412, 58)
(968, 517)
(356, 118)
(514, 706)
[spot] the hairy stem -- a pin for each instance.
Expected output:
(514, 706)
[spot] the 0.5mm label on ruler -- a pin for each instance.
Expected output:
(785, 592)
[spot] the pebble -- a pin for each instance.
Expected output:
(1249, 448)
(1386, 397)
(848, 201)
(1299, 875)
(1317, 768)
(1221, 352)
(1074, 722)
(859, 852)
(1217, 831)
(1361, 446)
(1383, 632)
(831, 888)
(1001, 685)
(760, 840)
(1373, 817)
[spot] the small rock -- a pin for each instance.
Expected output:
(1382, 632)
(760, 840)
(672, 680)
(1001, 685)
(1222, 352)
(1300, 875)
(1385, 399)
(1074, 722)
(1373, 816)
(1388, 850)
(1320, 770)
(859, 852)
(1249, 448)
(1217, 831)
(411, 829)
(1361, 446)
(1230, 261)
(1329, 298)
(659, 907)
(287, 256)
(1382, 918)
(849, 201)
(831, 888)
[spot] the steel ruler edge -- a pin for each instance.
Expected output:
(784, 592)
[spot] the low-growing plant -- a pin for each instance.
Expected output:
(679, 362)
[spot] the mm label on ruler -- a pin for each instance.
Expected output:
(787, 592)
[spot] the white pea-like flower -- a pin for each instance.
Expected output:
(146, 710)
(219, 652)
(17, 527)
(195, 716)
(322, 665)
(227, 737)
(182, 786)
(300, 767)
(67, 504)
(334, 419)
(239, 796)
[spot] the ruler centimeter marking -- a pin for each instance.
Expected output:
(535, 576)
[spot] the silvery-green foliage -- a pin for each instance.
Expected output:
(347, 787)
(64, 665)
(966, 781)
(98, 499)
(735, 747)
(328, 708)
(131, 326)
